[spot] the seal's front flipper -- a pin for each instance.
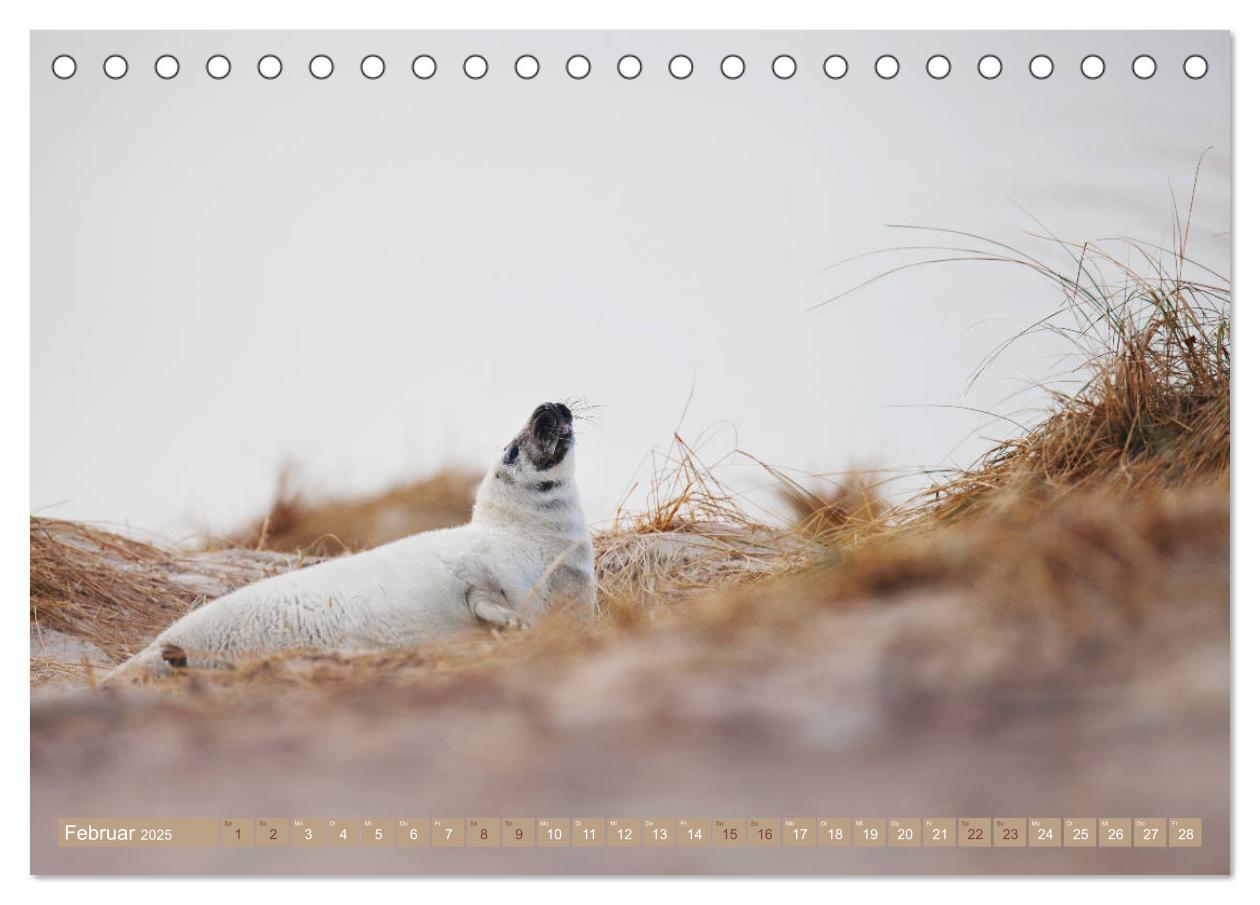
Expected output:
(491, 606)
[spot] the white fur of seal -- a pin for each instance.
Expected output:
(527, 547)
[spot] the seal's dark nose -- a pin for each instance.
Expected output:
(553, 416)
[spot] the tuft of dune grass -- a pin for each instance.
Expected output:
(118, 592)
(295, 523)
(832, 509)
(1154, 406)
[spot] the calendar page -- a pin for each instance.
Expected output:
(641, 452)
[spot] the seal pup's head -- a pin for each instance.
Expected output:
(532, 483)
(545, 441)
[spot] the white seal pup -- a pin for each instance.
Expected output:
(527, 547)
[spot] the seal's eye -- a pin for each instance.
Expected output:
(512, 452)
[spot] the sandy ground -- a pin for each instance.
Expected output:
(914, 706)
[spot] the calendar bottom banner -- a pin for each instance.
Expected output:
(633, 832)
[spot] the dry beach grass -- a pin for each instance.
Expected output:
(1070, 589)
(1147, 433)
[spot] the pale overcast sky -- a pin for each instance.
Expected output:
(376, 278)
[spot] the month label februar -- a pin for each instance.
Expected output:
(82, 832)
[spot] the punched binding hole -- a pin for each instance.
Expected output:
(64, 66)
(1093, 66)
(835, 66)
(166, 66)
(629, 66)
(680, 66)
(321, 66)
(938, 66)
(115, 66)
(527, 66)
(732, 66)
(424, 66)
(270, 67)
(218, 66)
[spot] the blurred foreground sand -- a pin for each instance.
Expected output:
(907, 706)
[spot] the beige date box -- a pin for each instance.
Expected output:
(1080, 832)
(483, 832)
(975, 832)
(835, 831)
(377, 832)
(730, 832)
(940, 832)
(870, 832)
(1010, 832)
(1115, 832)
(765, 832)
(1185, 832)
(800, 832)
(447, 832)
(626, 832)
(905, 832)
(1045, 832)
(588, 832)
(660, 832)
(307, 832)
(411, 832)
(1150, 832)
(553, 832)
(271, 832)
(518, 832)
(695, 831)
(236, 832)
(342, 831)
